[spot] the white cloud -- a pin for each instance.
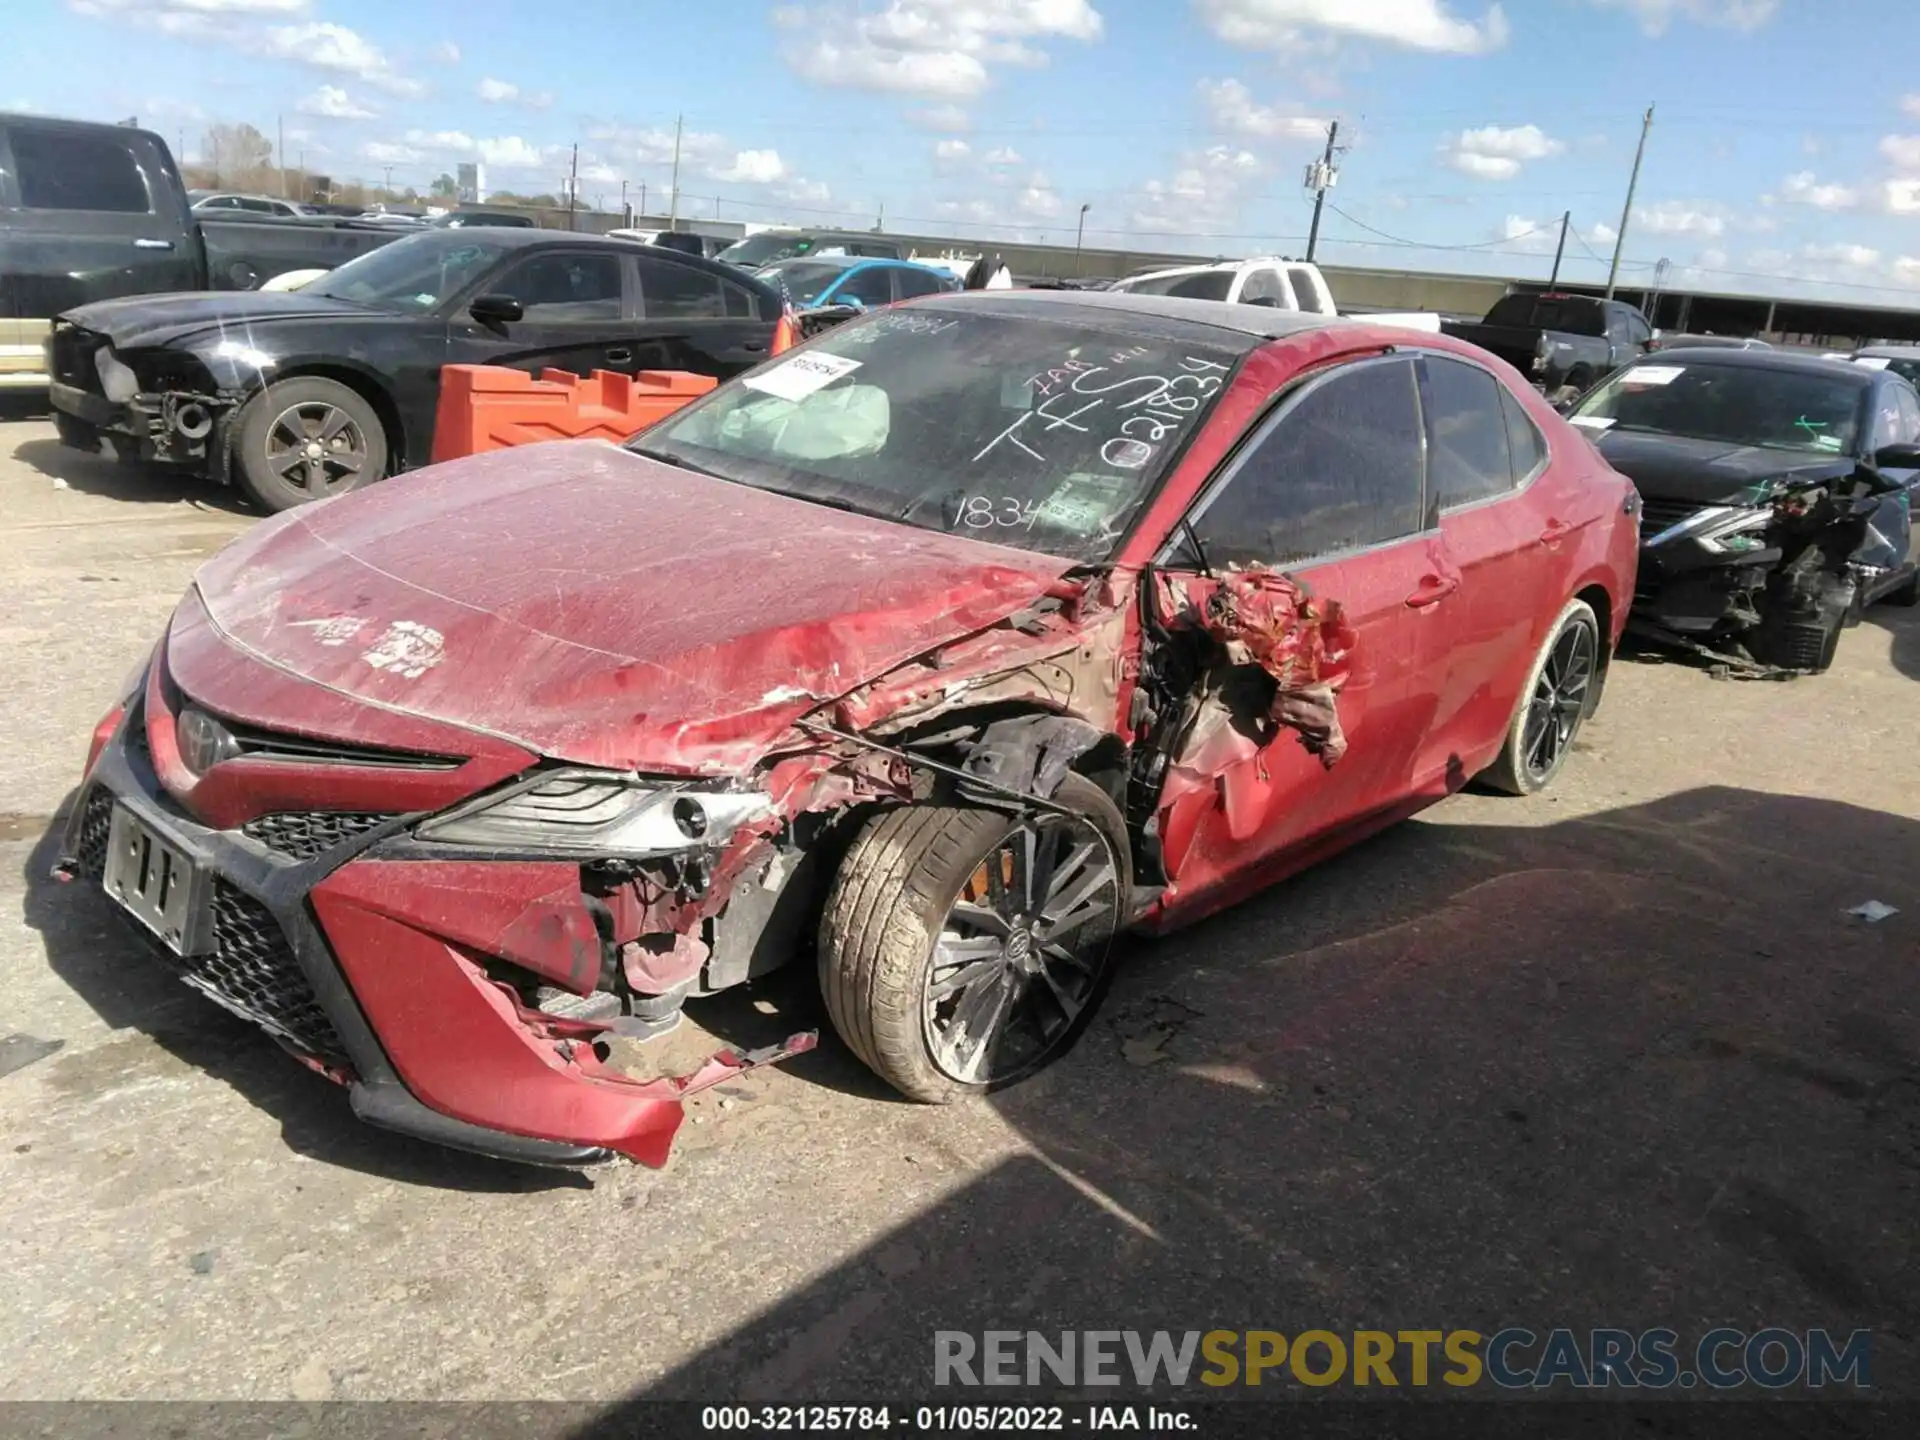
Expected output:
(972, 212)
(941, 49)
(327, 46)
(504, 92)
(1855, 257)
(1900, 197)
(951, 151)
(197, 19)
(333, 103)
(1230, 107)
(1204, 195)
(801, 191)
(384, 152)
(1600, 233)
(1804, 189)
(1656, 15)
(510, 152)
(1673, 217)
(753, 167)
(1901, 151)
(1910, 104)
(1005, 155)
(1286, 25)
(1494, 153)
(1038, 200)
(446, 53)
(951, 119)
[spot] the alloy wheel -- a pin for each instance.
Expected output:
(1559, 700)
(316, 447)
(1022, 952)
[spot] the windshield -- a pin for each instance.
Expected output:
(758, 250)
(414, 274)
(1738, 404)
(1040, 434)
(803, 281)
(1570, 316)
(1188, 285)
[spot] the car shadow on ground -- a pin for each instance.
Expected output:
(1902, 623)
(101, 474)
(1634, 1069)
(90, 948)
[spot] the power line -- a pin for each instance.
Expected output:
(1427, 244)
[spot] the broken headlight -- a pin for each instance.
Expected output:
(593, 813)
(117, 380)
(1720, 528)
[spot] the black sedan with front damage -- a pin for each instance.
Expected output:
(304, 394)
(1778, 494)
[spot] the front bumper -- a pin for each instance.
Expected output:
(336, 956)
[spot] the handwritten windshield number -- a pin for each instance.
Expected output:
(985, 512)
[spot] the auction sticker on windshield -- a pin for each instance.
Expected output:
(1592, 422)
(1653, 375)
(799, 377)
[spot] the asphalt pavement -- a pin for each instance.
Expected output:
(1616, 1056)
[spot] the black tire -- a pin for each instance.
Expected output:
(275, 434)
(908, 877)
(1907, 594)
(1554, 703)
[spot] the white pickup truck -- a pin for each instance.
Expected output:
(1271, 280)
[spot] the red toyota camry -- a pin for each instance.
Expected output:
(937, 652)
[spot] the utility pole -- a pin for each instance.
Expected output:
(573, 185)
(643, 197)
(1626, 211)
(880, 221)
(1560, 249)
(389, 185)
(1321, 176)
(673, 215)
(280, 151)
(1079, 234)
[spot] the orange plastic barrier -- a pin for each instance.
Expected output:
(488, 407)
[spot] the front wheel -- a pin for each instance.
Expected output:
(1560, 692)
(962, 949)
(307, 439)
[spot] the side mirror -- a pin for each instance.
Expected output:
(1897, 457)
(494, 311)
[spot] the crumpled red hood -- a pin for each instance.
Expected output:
(599, 607)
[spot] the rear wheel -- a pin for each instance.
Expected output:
(962, 949)
(307, 439)
(1560, 691)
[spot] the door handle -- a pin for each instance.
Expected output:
(145, 244)
(1432, 591)
(753, 348)
(620, 357)
(1556, 530)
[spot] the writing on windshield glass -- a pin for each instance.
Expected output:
(1131, 416)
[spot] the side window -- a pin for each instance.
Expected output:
(61, 171)
(563, 287)
(1887, 428)
(221, 202)
(1909, 405)
(871, 286)
(738, 302)
(1308, 292)
(1340, 469)
(917, 282)
(1524, 440)
(679, 292)
(1467, 455)
(1638, 331)
(1265, 287)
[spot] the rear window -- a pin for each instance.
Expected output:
(1197, 285)
(1571, 315)
(60, 170)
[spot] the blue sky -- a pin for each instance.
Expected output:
(1784, 157)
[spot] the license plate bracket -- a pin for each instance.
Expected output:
(155, 881)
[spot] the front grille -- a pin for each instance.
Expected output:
(303, 834)
(71, 355)
(1657, 515)
(253, 972)
(95, 823)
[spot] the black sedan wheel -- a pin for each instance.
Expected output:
(963, 949)
(1561, 692)
(307, 439)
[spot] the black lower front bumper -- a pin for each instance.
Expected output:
(270, 962)
(174, 427)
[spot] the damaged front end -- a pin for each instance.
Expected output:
(162, 405)
(1764, 583)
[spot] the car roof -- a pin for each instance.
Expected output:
(1890, 352)
(1255, 322)
(518, 237)
(1728, 356)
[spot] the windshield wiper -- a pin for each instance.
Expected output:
(677, 461)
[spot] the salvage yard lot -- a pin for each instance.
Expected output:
(1611, 1057)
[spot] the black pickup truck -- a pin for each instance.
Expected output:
(93, 212)
(1565, 342)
